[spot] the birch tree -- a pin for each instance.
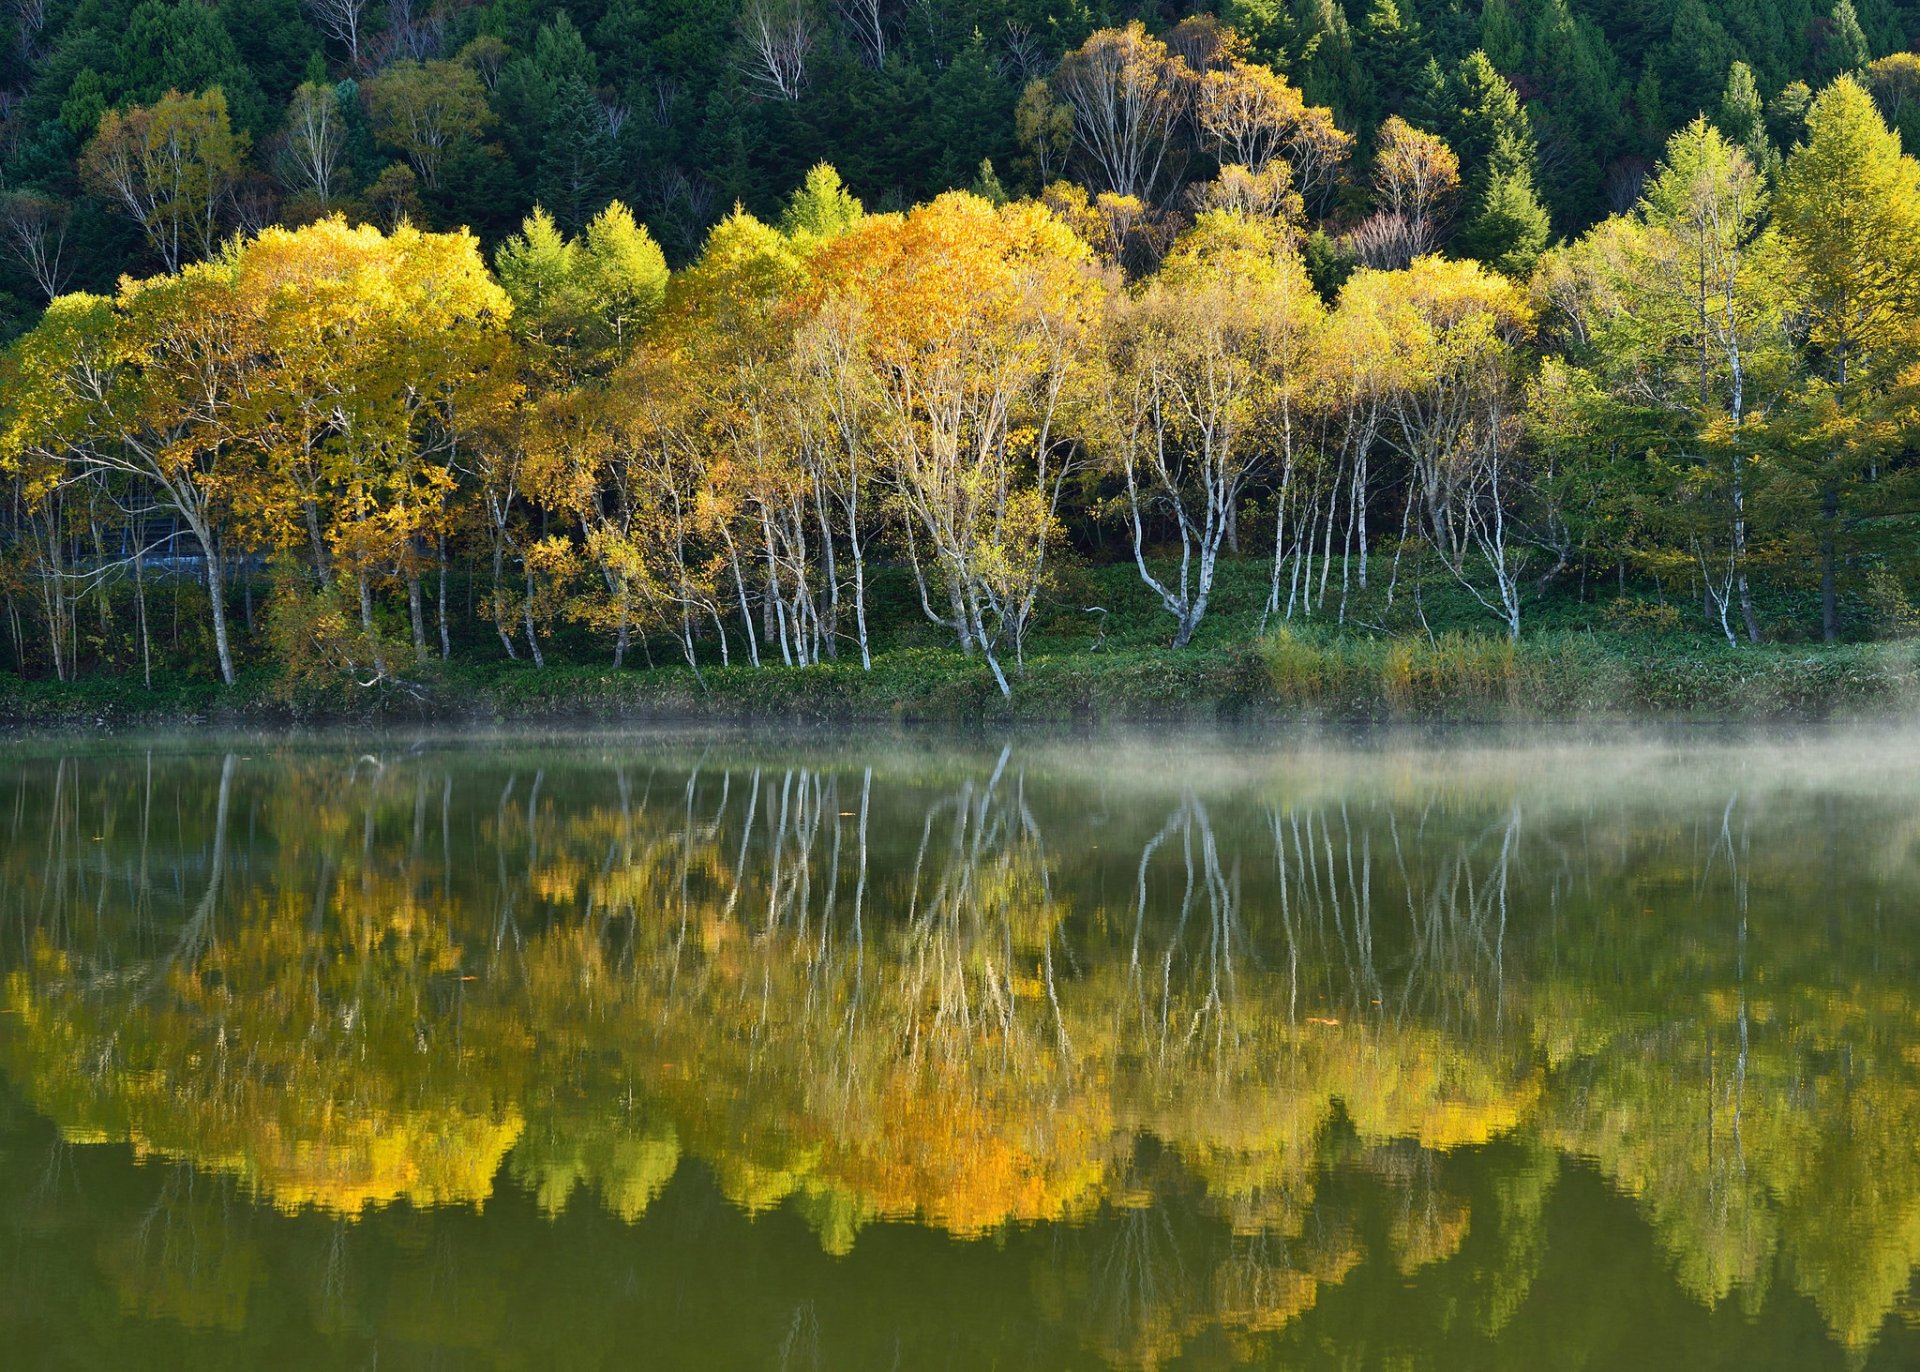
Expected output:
(171, 167)
(980, 321)
(1199, 357)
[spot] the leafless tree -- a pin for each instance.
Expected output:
(315, 138)
(340, 20)
(253, 205)
(1023, 58)
(33, 232)
(866, 21)
(1626, 178)
(1385, 241)
(29, 18)
(779, 36)
(613, 115)
(684, 203)
(412, 36)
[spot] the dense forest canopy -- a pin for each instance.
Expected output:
(687, 320)
(462, 113)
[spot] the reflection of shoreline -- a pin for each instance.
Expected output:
(924, 1003)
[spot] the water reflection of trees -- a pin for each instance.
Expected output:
(1196, 1026)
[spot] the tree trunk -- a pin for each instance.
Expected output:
(217, 602)
(322, 566)
(416, 610)
(366, 624)
(446, 641)
(533, 637)
(1829, 589)
(500, 596)
(140, 609)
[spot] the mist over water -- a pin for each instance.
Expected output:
(822, 1052)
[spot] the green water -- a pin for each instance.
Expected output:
(661, 1052)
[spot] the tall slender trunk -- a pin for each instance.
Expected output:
(1829, 581)
(322, 565)
(217, 602)
(860, 603)
(416, 611)
(366, 623)
(446, 640)
(740, 589)
(140, 610)
(533, 637)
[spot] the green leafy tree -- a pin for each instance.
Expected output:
(427, 111)
(821, 208)
(1742, 117)
(1846, 249)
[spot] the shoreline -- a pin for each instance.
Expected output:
(1567, 678)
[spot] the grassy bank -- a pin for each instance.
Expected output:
(1564, 675)
(1098, 655)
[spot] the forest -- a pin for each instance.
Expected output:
(351, 343)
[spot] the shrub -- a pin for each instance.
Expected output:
(1627, 615)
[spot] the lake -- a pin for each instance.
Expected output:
(707, 1052)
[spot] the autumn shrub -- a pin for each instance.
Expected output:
(1627, 615)
(318, 643)
(1324, 674)
(1452, 669)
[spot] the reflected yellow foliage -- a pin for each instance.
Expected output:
(920, 1010)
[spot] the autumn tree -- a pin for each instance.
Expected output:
(978, 324)
(382, 359)
(729, 315)
(1415, 179)
(1705, 204)
(1197, 356)
(582, 306)
(171, 167)
(1130, 96)
(1452, 331)
(323, 372)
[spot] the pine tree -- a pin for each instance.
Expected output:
(578, 159)
(1743, 119)
(1388, 47)
(1505, 226)
(1510, 228)
(1845, 51)
(1502, 37)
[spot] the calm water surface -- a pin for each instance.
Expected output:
(657, 1052)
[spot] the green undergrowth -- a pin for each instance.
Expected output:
(1098, 653)
(1286, 675)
